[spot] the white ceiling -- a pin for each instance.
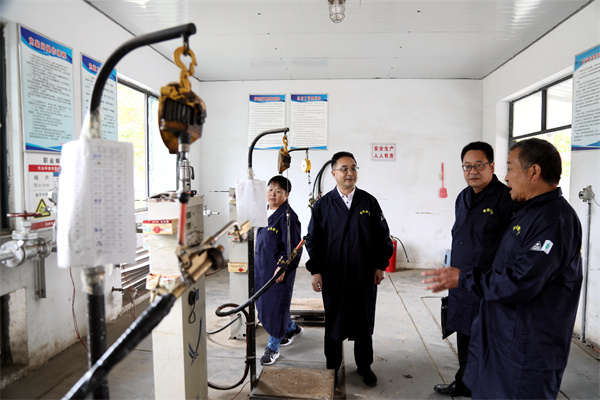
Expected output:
(295, 39)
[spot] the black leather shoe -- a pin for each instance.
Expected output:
(452, 389)
(369, 378)
(335, 378)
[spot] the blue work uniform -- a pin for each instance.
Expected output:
(522, 335)
(346, 246)
(481, 219)
(271, 244)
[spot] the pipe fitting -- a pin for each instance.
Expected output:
(15, 252)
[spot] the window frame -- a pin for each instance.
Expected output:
(543, 115)
(147, 93)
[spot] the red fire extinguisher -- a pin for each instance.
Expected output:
(392, 266)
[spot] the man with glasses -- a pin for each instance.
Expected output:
(349, 246)
(521, 339)
(482, 211)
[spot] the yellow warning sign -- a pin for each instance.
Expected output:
(41, 208)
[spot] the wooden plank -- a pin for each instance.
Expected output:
(312, 306)
(294, 383)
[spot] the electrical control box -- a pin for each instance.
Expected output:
(179, 341)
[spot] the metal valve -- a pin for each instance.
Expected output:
(25, 244)
(207, 213)
(23, 232)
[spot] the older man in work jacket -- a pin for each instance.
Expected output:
(522, 336)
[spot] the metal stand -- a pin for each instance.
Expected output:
(94, 276)
(587, 195)
(251, 311)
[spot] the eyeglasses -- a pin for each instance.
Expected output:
(346, 169)
(478, 167)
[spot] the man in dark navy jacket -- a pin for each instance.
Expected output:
(521, 339)
(482, 211)
(349, 246)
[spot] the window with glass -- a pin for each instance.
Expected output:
(4, 223)
(154, 168)
(546, 114)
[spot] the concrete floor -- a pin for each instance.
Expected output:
(410, 357)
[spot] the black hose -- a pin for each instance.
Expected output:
(403, 248)
(252, 299)
(247, 362)
(251, 149)
(250, 339)
(139, 41)
(229, 324)
(317, 185)
(137, 331)
(250, 324)
(298, 149)
(97, 334)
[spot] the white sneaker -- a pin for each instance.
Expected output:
(269, 357)
(289, 338)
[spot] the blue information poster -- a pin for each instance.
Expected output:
(586, 101)
(266, 112)
(89, 71)
(309, 121)
(47, 92)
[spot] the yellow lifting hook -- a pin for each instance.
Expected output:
(179, 109)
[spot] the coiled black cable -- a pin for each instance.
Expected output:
(240, 308)
(247, 362)
(317, 190)
(226, 326)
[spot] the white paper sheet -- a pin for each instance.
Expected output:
(251, 202)
(96, 224)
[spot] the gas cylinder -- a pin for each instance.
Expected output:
(392, 266)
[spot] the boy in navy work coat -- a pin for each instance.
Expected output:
(349, 246)
(482, 211)
(271, 244)
(521, 340)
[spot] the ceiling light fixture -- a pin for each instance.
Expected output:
(337, 8)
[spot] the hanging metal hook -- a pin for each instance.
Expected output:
(179, 63)
(285, 141)
(186, 44)
(284, 158)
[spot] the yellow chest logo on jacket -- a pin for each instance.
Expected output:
(517, 228)
(365, 212)
(488, 210)
(272, 229)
